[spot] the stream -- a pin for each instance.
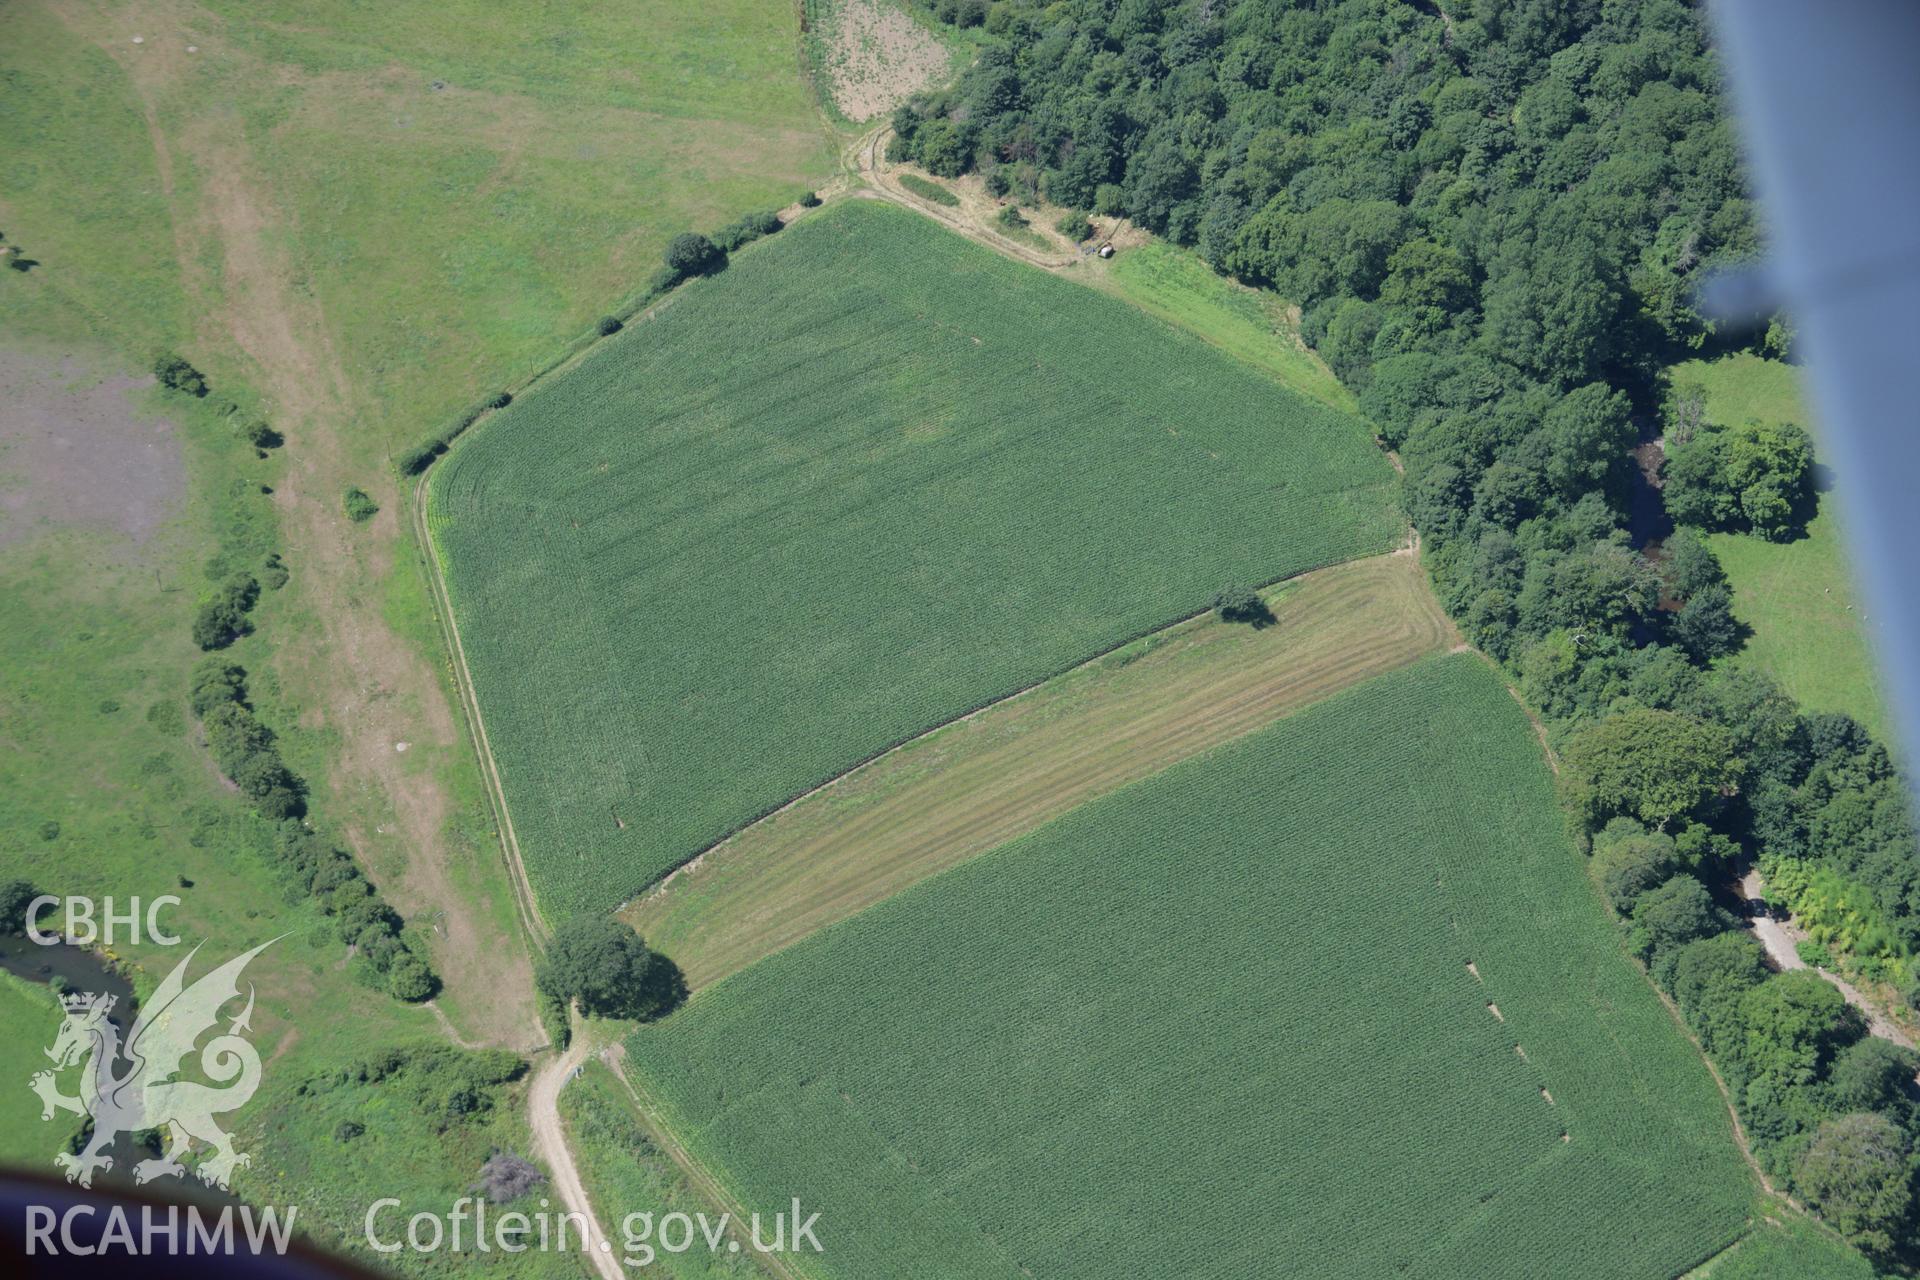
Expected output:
(1647, 518)
(79, 969)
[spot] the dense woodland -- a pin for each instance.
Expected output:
(1492, 215)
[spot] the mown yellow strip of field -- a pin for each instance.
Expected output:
(969, 786)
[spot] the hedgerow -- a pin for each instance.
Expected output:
(246, 751)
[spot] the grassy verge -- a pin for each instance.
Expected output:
(1174, 284)
(1784, 1243)
(927, 189)
(29, 1017)
(971, 786)
(626, 1173)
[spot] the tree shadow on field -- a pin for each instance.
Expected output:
(665, 987)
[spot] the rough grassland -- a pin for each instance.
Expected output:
(1788, 1246)
(968, 787)
(31, 1015)
(1798, 597)
(457, 187)
(869, 478)
(1249, 976)
(1178, 286)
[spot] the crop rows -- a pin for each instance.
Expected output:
(867, 479)
(1248, 975)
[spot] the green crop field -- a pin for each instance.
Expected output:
(869, 478)
(626, 1173)
(971, 786)
(1249, 975)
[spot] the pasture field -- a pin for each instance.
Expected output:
(1809, 631)
(1341, 985)
(30, 1018)
(967, 787)
(869, 478)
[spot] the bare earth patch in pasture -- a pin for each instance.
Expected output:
(975, 784)
(378, 691)
(370, 689)
(74, 450)
(877, 57)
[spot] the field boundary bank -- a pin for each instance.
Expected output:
(825, 114)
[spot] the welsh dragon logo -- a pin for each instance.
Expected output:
(147, 1094)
